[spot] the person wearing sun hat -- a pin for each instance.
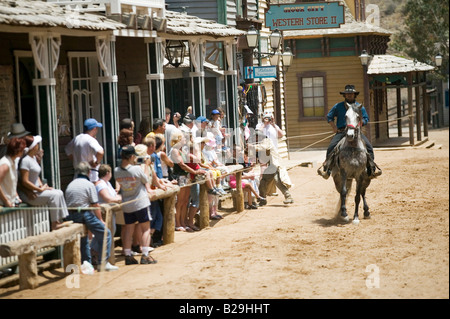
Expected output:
(32, 190)
(336, 119)
(85, 148)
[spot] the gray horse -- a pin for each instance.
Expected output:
(351, 164)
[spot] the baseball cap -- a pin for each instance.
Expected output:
(89, 124)
(129, 150)
(215, 112)
(202, 119)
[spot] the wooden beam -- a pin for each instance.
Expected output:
(50, 239)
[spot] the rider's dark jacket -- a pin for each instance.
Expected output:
(338, 111)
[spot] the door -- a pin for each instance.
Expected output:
(84, 90)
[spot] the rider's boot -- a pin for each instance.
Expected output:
(325, 172)
(372, 169)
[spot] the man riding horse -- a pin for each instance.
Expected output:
(338, 112)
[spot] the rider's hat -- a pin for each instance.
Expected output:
(349, 88)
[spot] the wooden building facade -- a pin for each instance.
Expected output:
(61, 64)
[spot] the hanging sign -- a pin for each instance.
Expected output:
(259, 72)
(300, 16)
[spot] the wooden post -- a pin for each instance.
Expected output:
(28, 278)
(239, 193)
(169, 219)
(399, 112)
(418, 113)
(410, 110)
(107, 210)
(204, 206)
(425, 110)
(72, 253)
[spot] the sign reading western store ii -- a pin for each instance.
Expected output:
(317, 15)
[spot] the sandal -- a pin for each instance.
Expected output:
(180, 229)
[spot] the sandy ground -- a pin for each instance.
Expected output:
(302, 251)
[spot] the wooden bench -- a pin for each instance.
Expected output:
(26, 248)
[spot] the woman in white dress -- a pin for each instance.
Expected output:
(31, 188)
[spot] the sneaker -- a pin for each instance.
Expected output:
(288, 201)
(130, 260)
(136, 249)
(157, 244)
(221, 191)
(109, 267)
(253, 206)
(246, 206)
(262, 201)
(212, 191)
(147, 260)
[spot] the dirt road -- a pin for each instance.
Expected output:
(302, 251)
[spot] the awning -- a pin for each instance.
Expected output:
(390, 64)
(27, 13)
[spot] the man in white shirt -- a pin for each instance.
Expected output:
(270, 129)
(85, 148)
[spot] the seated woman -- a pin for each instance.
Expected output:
(31, 188)
(8, 172)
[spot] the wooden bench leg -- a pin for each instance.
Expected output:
(72, 253)
(28, 274)
(169, 220)
(204, 207)
(239, 193)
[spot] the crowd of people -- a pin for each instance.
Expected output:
(161, 154)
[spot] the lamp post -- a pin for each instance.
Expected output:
(365, 59)
(440, 111)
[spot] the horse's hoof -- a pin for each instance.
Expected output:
(345, 218)
(367, 216)
(355, 222)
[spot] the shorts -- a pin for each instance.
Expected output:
(140, 216)
(183, 180)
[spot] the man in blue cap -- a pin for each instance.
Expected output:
(202, 124)
(85, 148)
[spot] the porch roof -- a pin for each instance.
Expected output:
(389, 64)
(183, 24)
(42, 14)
